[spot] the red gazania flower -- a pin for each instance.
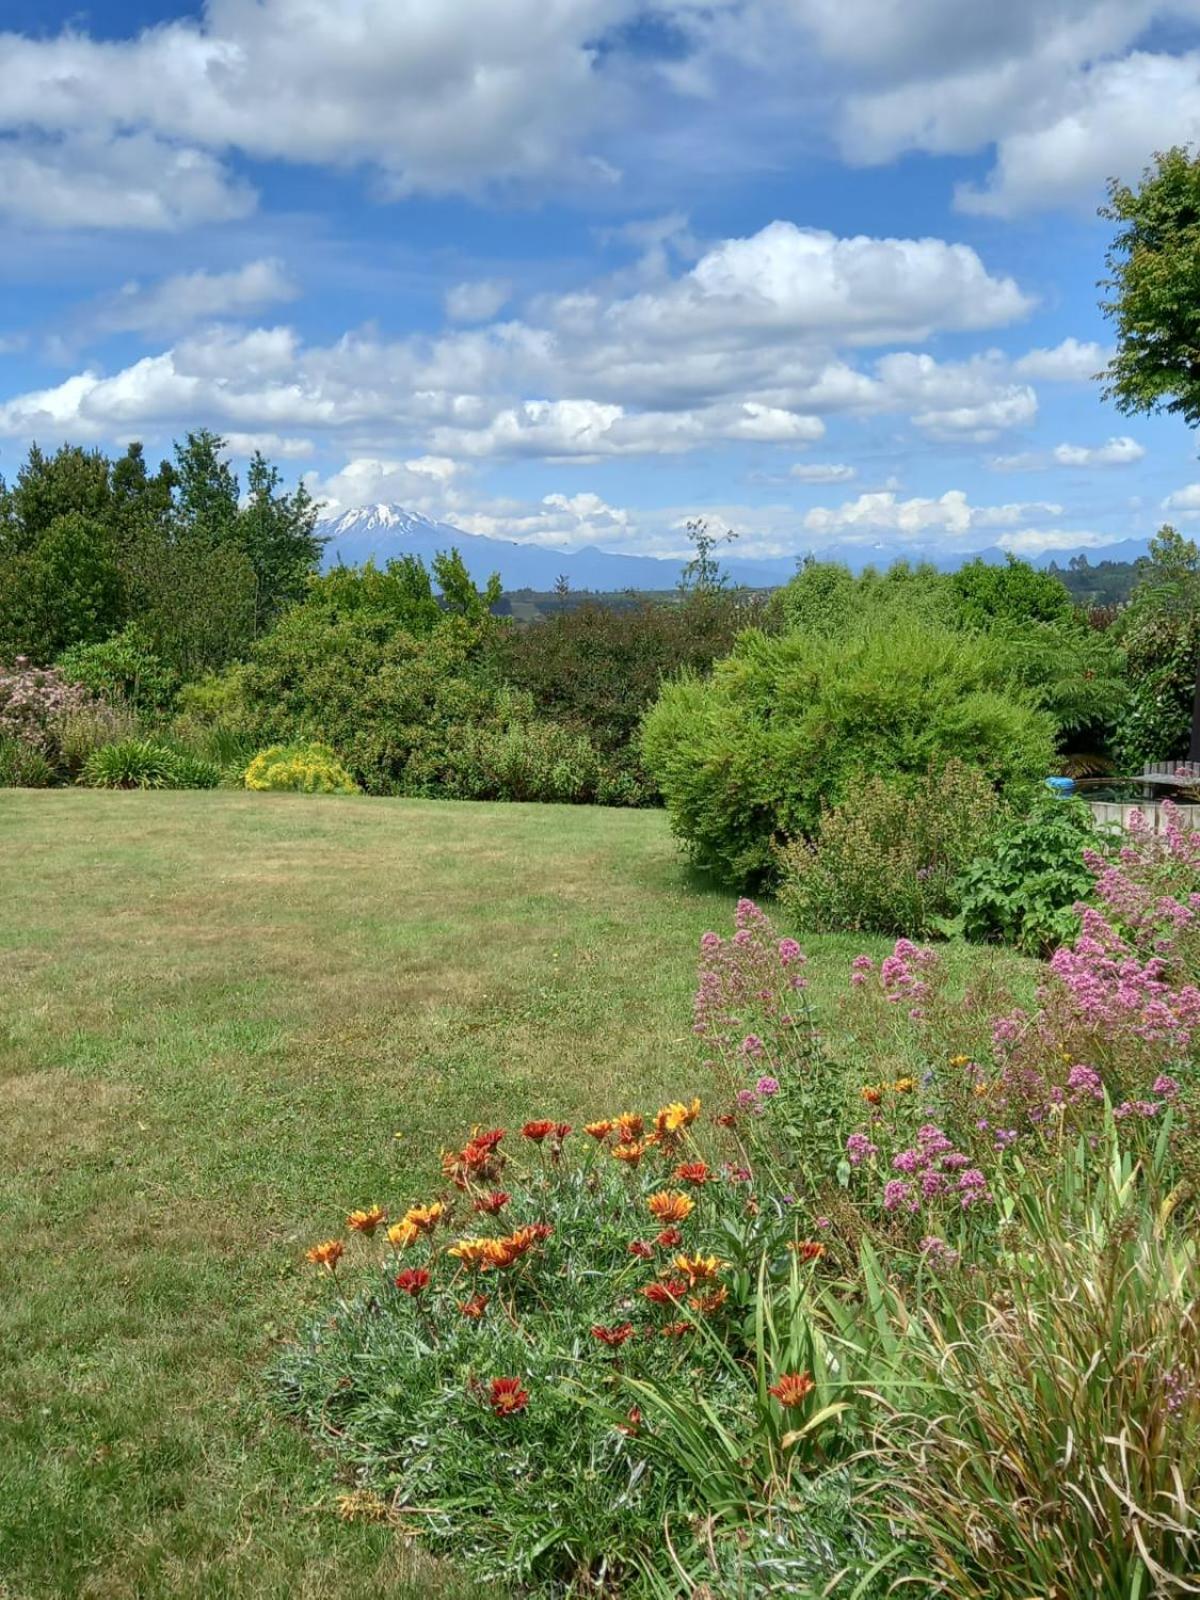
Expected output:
(615, 1336)
(561, 1130)
(506, 1396)
(539, 1232)
(669, 1238)
(792, 1389)
(537, 1131)
(488, 1140)
(473, 1308)
(726, 1120)
(413, 1280)
(643, 1251)
(667, 1293)
(696, 1172)
(493, 1202)
(809, 1249)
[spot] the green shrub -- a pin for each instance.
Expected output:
(23, 766)
(122, 668)
(301, 769)
(80, 733)
(1021, 890)
(146, 764)
(524, 760)
(788, 725)
(887, 858)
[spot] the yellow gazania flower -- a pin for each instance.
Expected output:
(904, 1085)
(416, 1221)
(631, 1153)
(471, 1252)
(698, 1269)
(366, 1221)
(675, 1117)
(670, 1205)
(960, 1061)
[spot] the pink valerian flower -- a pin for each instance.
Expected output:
(747, 1100)
(861, 969)
(859, 1149)
(1084, 1082)
(1165, 1086)
(790, 952)
(752, 1046)
(938, 1253)
(1137, 1108)
(767, 1087)
(898, 1194)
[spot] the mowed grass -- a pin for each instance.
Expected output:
(224, 1020)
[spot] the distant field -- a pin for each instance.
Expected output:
(224, 1019)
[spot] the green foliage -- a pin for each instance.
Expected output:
(402, 591)
(1154, 267)
(61, 589)
(146, 764)
(1023, 887)
(122, 667)
(597, 671)
(887, 858)
(788, 725)
(1011, 595)
(299, 769)
(519, 757)
(1160, 632)
(826, 598)
(23, 766)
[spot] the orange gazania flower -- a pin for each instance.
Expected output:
(674, 1118)
(696, 1172)
(412, 1280)
(478, 1159)
(671, 1205)
(632, 1423)
(643, 1251)
(537, 1131)
(666, 1293)
(792, 1389)
(675, 1330)
(808, 1249)
(366, 1221)
(712, 1301)
(697, 1269)
(326, 1254)
(493, 1202)
(630, 1126)
(630, 1153)
(872, 1094)
(473, 1308)
(599, 1130)
(506, 1396)
(726, 1119)
(669, 1238)
(615, 1336)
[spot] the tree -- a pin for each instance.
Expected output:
(702, 574)
(206, 489)
(277, 533)
(63, 588)
(1154, 279)
(1154, 266)
(1160, 632)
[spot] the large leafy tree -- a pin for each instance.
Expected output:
(1154, 283)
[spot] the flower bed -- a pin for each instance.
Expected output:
(763, 1343)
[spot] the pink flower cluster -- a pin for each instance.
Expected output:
(904, 976)
(34, 699)
(1109, 987)
(934, 1170)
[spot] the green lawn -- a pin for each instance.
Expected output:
(225, 1019)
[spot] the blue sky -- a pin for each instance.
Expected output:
(572, 271)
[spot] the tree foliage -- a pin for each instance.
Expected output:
(1154, 270)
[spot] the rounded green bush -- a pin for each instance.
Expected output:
(300, 768)
(788, 725)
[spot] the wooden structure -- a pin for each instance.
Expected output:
(1160, 780)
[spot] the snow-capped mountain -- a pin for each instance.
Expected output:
(382, 532)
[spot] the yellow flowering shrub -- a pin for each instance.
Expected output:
(301, 768)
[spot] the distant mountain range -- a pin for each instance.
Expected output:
(381, 532)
